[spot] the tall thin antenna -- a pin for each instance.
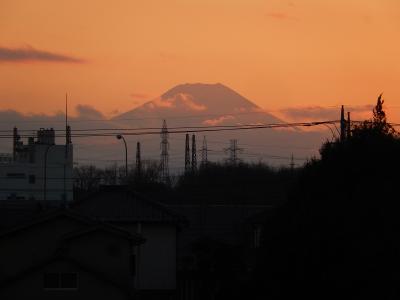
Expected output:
(67, 127)
(164, 152)
(138, 160)
(187, 154)
(194, 154)
(67, 142)
(204, 152)
(66, 110)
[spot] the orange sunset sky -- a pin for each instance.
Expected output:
(115, 55)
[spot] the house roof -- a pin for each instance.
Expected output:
(118, 204)
(44, 217)
(57, 212)
(115, 230)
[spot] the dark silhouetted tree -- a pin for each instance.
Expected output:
(337, 235)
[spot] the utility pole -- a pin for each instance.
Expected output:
(342, 125)
(187, 154)
(194, 154)
(233, 152)
(204, 152)
(16, 143)
(121, 137)
(164, 152)
(67, 143)
(138, 160)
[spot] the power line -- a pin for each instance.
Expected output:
(172, 128)
(200, 129)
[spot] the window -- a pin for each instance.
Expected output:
(60, 281)
(16, 175)
(32, 179)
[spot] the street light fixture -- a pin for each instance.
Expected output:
(119, 136)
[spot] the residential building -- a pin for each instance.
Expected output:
(160, 226)
(38, 170)
(61, 254)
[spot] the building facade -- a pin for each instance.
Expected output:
(61, 254)
(157, 257)
(38, 170)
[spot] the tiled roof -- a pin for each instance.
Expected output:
(117, 204)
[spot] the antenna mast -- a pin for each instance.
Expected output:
(67, 127)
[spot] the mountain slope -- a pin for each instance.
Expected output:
(201, 104)
(215, 104)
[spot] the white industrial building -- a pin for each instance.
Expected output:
(39, 170)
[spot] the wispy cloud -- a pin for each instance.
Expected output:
(218, 121)
(181, 101)
(88, 112)
(30, 54)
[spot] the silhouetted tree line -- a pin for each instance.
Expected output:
(236, 183)
(338, 235)
(213, 183)
(88, 178)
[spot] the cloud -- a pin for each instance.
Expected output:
(30, 54)
(213, 122)
(279, 16)
(316, 113)
(88, 112)
(179, 100)
(188, 101)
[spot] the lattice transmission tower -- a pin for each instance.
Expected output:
(164, 152)
(204, 152)
(194, 154)
(233, 151)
